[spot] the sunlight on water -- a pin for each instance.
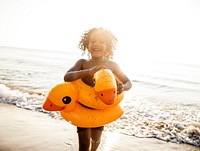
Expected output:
(159, 89)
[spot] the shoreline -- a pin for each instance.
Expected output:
(25, 130)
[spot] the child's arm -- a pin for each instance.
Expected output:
(125, 83)
(76, 72)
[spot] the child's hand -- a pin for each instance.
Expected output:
(94, 69)
(120, 87)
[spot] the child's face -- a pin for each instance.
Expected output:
(97, 44)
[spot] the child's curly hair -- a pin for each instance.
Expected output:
(111, 41)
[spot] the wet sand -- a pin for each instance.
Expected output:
(24, 130)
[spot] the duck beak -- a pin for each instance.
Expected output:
(107, 96)
(50, 106)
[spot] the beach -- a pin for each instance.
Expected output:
(25, 130)
(156, 49)
(163, 105)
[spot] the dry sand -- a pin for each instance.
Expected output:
(24, 130)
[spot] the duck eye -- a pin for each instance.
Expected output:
(66, 100)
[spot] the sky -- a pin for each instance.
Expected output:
(146, 29)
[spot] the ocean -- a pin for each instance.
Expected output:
(164, 102)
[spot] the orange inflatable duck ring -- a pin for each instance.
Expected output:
(67, 98)
(103, 95)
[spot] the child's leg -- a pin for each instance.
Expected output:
(84, 139)
(96, 137)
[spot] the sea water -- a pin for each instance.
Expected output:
(163, 103)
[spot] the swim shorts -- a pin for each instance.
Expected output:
(97, 128)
